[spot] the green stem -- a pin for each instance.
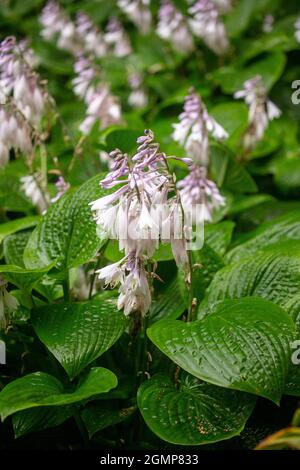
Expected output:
(66, 288)
(81, 426)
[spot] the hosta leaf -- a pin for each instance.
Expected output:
(124, 139)
(22, 277)
(41, 389)
(39, 419)
(13, 248)
(292, 386)
(285, 227)
(243, 345)
(169, 303)
(228, 173)
(273, 276)
(98, 416)
(67, 232)
(218, 236)
(78, 333)
(17, 225)
(195, 412)
(233, 116)
(269, 68)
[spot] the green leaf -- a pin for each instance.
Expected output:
(123, 139)
(78, 333)
(270, 67)
(271, 275)
(13, 248)
(285, 227)
(243, 203)
(17, 225)
(292, 386)
(24, 278)
(67, 232)
(195, 412)
(243, 345)
(287, 174)
(41, 389)
(39, 419)
(98, 416)
(233, 116)
(169, 303)
(229, 174)
(218, 236)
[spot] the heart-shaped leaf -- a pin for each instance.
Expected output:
(285, 227)
(22, 277)
(195, 412)
(16, 225)
(40, 418)
(14, 246)
(67, 232)
(41, 389)
(169, 303)
(78, 333)
(273, 276)
(98, 416)
(244, 345)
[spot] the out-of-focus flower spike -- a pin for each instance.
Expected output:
(139, 13)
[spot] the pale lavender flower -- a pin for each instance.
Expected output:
(58, 25)
(102, 106)
(139, 13)
(173, 26)
(90, 35)
(268, 23)
(134, 291)
(197, 190)
(8, 304)
(83, 83)
(32, 187)
(62, 187)
(14, 133)
(261, 110)
(206, 23)
(116, 37)
(18, 79)
(297, 30)
(129, 213)
(194, 127)
(137, 97)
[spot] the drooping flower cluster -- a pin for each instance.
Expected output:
(261, 110)
(32, 187)
(194, 127)
(173, 26)
(139, 214)
(92, 39)
(22, 100)
(137, 97)
(101, 105)
(57, 25)
(206, 23)
(139, 13)
(117, 38)
(192, 132)
(82, 36)
(297, 30)
(8, 304)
